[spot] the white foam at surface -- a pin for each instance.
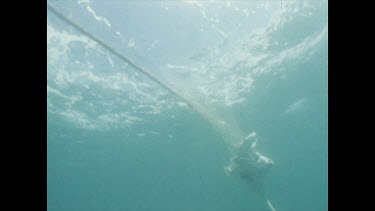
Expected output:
(83, 1)
(78, 117)
(220, 81)
(182, 67)
(231, 90)
(98, 18)
(63, 74)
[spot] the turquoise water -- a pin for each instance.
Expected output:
(119, 141)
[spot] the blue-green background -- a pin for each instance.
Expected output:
(180, 165)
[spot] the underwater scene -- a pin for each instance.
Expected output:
(187, 105)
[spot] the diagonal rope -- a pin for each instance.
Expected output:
(115, 52)
(228, 131)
